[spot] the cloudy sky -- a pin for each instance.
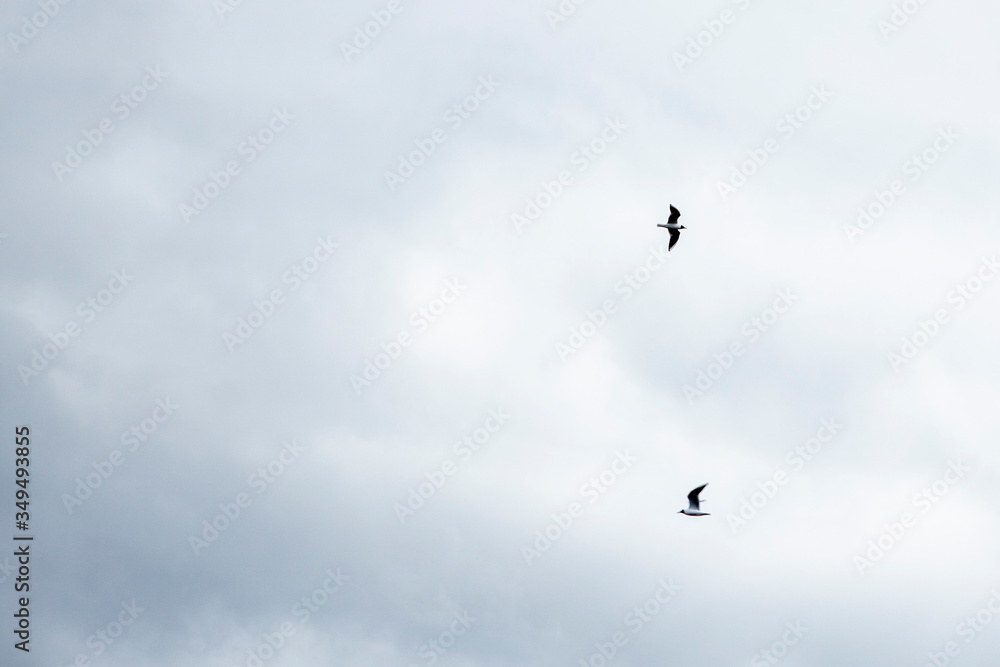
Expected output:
(346, 336)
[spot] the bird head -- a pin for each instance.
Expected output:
(682, 227)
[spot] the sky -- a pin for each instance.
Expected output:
(345, 335)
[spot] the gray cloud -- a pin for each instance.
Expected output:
(331, 507)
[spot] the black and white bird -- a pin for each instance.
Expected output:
(694, 503)
(673, 227)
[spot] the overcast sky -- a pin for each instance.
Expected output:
(346, 335)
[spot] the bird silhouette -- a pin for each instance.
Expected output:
(694, 503)
(673, 227)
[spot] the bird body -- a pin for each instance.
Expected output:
(694, 503)
(673, 227)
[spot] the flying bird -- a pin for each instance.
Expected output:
(694, 504)
(673, 227)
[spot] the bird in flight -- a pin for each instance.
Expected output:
(673, 227)
(694, 503)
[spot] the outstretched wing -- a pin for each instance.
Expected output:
(674, 235)
(674, 214)
(693, 500)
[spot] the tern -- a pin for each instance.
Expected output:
(694, 504)
(673, 227)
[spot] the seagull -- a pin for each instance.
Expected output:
(694, 504)
(675, 229)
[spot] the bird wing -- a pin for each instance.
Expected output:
(693, 500)
(674, 214)
(674, 235)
